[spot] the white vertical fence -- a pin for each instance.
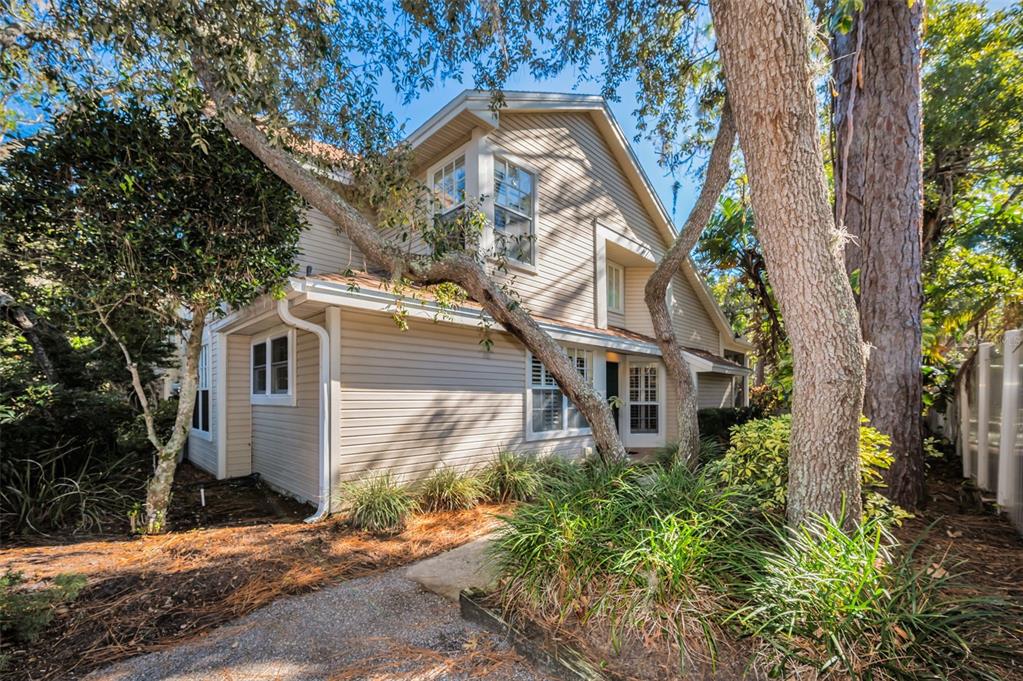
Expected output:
(991, 423)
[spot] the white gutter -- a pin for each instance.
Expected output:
(284, 310)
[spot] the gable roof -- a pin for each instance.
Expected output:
(472, 108)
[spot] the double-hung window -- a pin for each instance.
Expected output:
(449, 187)
(644, 405)
(615, 288)
(514, 219)
(551, 412)
(201, 410)
(272, 370)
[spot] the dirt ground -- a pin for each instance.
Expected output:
(247, 547)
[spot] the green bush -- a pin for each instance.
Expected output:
(378, 504)
(710, 451)
(449, 489)
(758, 458)
(643, 552)
(512, 476)
(851, 605)
(25, 612)
(717, 423)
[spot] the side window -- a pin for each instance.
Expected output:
(615, 288)
(201, 411)
(271, 370)
(514, 222)
(643, 401)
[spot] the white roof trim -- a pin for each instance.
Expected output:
(478, 102)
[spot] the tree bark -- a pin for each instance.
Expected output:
(878, 127)
(158, 489)
(656, 290)
(764, 50)
(461, 268)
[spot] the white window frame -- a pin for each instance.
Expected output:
(645, 439)
(496, 155)
(615, 274)
(463, 153)
(203, 383)
(269, 398)
(565, 431)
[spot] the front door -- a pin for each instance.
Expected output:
(611, 390)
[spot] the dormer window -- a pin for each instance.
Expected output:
(514, 212)
(449, 186)
(615, 288)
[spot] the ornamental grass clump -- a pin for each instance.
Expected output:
(639, 553)
(449, 489)
(378, 504)
(854, 605)
(511, 476)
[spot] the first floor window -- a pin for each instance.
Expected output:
(201, 411)
(552, 411)
(271, 367)
(643, 403)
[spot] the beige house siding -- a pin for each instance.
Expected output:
(239, 411)
(692, 320)
(413, 401)
(201, 451)
(637, 316)
(285, 439)
(715, 390)
(323, 247)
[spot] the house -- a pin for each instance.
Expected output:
(323, 386)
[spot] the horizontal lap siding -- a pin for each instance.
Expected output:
(325, 248)
(637, 315)
(715, 390)
(413, 401)
(285, 439)
(239, 410)
(203, 452)
(580, 183)
(692, 321)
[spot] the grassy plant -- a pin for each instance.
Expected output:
(710, 450)
(642, 552)
(378, 503)
(512, 477)
(24, 612)
(851, 605)
(449, 489)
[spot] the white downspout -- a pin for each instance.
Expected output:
(284, 310)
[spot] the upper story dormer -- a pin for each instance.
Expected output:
(567, 204)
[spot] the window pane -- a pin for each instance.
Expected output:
(279, 379)
(643, 418)
(575, 418)
(513, 235)
(279, 350)
(546, 410)
(204, 401)
(259, 368)
(195, 411)
(449, 185)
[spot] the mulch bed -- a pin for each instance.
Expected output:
(245, 548)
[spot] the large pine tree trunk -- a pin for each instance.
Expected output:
(764, 50)
(879, 199)
(657, 285)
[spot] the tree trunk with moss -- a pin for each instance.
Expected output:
(764, 48)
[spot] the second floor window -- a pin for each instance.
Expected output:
(514, 221)
(615, 288)
(449, 186)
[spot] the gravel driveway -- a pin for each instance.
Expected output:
(379, 628)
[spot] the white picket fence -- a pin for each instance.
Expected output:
(991, 423)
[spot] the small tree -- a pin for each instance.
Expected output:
(138, 215)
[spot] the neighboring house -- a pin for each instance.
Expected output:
(323, 387)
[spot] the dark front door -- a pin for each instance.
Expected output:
(612, 389)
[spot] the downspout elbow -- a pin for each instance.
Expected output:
(284, 311)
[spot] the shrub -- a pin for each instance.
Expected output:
(850, 605)
(449, 489)
(25, 612)
(757, 460)
(717, 423)
(710, 450)
(378, 504)
(512, 477)
(643, 552)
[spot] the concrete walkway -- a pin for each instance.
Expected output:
(380, 627)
